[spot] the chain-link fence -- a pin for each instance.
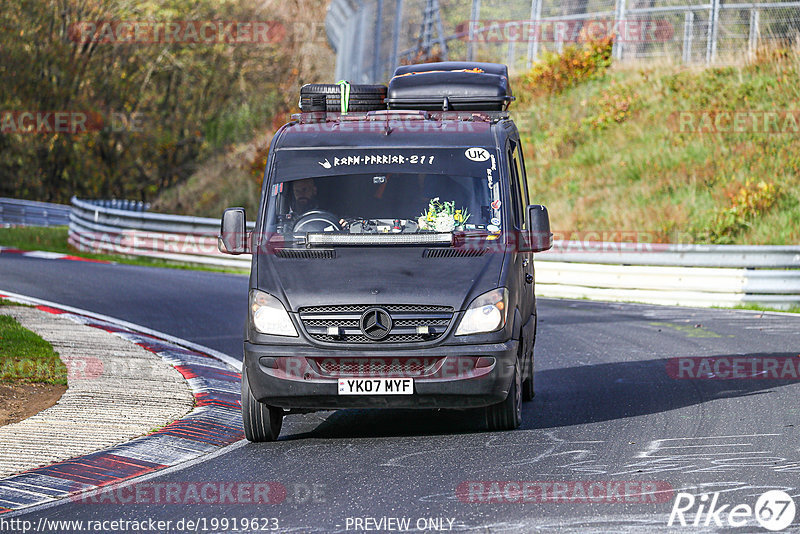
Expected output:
(372, 37)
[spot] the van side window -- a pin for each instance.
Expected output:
(523, 178)
(513, 163)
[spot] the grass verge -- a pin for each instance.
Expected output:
(54, 239)
(757, 307)
(27, 358)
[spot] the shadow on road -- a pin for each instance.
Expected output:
(564, 397)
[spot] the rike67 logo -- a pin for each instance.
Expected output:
(774, 510)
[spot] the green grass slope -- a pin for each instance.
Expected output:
(632, 149)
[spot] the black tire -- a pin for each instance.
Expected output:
(527, 389)
(261, 422)
(332, 101)
(507, 415)
(355, 104)
(334, 88)
(362, 97)
(527, 385)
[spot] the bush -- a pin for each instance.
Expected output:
(747, 202)
(613, 106)
(575, 64)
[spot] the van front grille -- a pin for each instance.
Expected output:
(375, 367)
(411, 323)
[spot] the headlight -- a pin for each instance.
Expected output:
(268, 316)
(486, 313)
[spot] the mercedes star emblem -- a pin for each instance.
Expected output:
(376, 323)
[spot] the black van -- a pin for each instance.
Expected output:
(393, 253)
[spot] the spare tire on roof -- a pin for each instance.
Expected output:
(362, 97)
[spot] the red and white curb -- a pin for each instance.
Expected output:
(44, 255)
(215, 422)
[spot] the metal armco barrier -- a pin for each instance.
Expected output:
(94, 227)
(688, 275)
(32, 213)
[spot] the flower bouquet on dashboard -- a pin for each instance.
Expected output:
(443, 217)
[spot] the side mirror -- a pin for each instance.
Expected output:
(233, 236)
(539, 237)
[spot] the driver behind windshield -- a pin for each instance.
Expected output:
(304, 196)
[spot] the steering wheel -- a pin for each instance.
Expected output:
(316, 221)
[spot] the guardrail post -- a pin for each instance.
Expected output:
(533, 41)
(752, 41)
(688, 33)
(713, 23)
(619, 18)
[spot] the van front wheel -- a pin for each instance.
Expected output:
(261, 422)
(507, 415)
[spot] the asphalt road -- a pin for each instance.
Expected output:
(606, 411)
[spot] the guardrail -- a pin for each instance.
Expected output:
(690, 275)
(96, 228)
(32, 213)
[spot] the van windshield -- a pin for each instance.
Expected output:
(392, 198)
(383, 203)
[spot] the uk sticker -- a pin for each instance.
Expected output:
(477, 154)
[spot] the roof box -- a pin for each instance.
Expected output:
(450, 86)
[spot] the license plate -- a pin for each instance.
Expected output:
(376, 386)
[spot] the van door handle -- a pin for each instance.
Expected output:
(528, 278)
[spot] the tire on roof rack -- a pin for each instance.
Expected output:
(333, 89)
(355, 104)
(362, 97)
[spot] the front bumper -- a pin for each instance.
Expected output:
(462, 376)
